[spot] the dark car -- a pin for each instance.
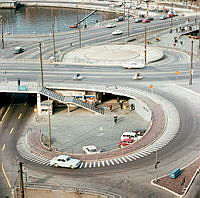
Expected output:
(18, 50)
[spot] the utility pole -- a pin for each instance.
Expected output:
(156, 166)
(41, 67)
(49, 124)
(54, 44)
(128, 22)
(145, 45)
(2, 31)
(79, 29)
(21, 180)
(199, 39)
(124, 8)
(191, 64)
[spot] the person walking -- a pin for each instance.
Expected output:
(115, 119)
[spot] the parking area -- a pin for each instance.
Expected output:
(71, 131)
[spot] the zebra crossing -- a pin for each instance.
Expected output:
(169, 133)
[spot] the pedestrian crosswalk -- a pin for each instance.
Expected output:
(169, 133)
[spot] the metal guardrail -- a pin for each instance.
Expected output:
(69, 188)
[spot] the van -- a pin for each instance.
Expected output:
(130, 135)
(18, 50)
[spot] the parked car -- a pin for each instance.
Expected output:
(120, 18)
(163, 17)
(126, 142)
(111, 25)
(18, 50)
(127, 135)
(137, 20)
(65, 161)
(150, 18)
(117, 32)
(146, 21)
(91, 149)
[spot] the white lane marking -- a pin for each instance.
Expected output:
(120, 160)
(128, 158)
(90, 165)
(98, 163)
(94, 164)
(85, 165)
(132, 157)
(103, 163)
(112, 162)
(123, 159)
(81, 165)
(107, 163)
(116, 161)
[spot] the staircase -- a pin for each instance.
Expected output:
(72, 100)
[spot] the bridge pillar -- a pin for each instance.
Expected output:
(68, 108)
(39, 104)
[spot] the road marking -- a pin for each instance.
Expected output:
(3, 147)
(20, 115)
(5, 113)
(11, 130)
(4, 173)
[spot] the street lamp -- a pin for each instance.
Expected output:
(2, 31)
(145, 45)
(41, 66)
(54, 45)
(191, 64)
(156, 166)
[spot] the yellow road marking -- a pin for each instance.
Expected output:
(20, 115)
(3, 147)
(11, 130)
(4, 173)
(5, 113)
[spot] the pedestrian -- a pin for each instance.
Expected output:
(181, 42)
(115, 119)
(121, 104)
(18, 82)
(132, 107)
(170, 31)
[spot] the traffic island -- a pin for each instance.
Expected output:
(182, 183)
(112, 55)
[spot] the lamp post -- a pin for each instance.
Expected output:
(41, 66)
(2, 31)
(156, 166)
(49, 124)
(79, 30)
(53, 37)
(145, 45)
(128, 23)
(191, 64)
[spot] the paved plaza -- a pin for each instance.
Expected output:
(71, 131)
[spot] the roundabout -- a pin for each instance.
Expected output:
(112, 55)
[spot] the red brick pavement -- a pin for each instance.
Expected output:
(177, 185)
(156, 129)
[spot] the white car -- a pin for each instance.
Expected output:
(77, 77)
(117, 32)
(65, 161)
(133, 65)
(111, 25)
(138, 76)
(91, 149)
